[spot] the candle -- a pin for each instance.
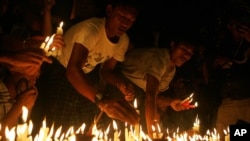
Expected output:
(60, 32)
(137, 126)
(126, 132)
(59, 29)
(46, 48)
(227, 137)
(42, 46)
(154, 132)
(196, 127)
(116, 134)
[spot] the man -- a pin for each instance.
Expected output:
(75, 97)
(151, 71)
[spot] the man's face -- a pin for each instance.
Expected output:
(120, 19)
(181, 53)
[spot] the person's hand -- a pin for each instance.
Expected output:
(27, 98)
(119, 109)
(27, 63)
(57, 43)
(127, 90)
(177, 106)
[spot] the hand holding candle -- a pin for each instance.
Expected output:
(60, 32)
(59, 29)
(187, 102)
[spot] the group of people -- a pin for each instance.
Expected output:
(99, 71)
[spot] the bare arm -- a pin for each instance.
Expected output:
(26, 99)
(114, 108)
(76, 75)
(114, 79)
(150, 102)
(47, 20)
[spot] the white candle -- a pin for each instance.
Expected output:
(60, 32)
(196, 126)
(59, 29)
(126, 132)
(42, 46)
(116, 134)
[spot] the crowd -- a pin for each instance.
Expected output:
(102, 68)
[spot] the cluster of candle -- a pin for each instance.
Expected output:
(22, 132)
(45, 46)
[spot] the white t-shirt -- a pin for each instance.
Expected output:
(91, 34)
(153, 61)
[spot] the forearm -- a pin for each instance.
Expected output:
(12, 116)
(47, 24)
(150, 102)
(81, 83)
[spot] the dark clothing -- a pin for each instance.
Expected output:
(234, 78)
(235, 81)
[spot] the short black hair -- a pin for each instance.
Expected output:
(131, 3)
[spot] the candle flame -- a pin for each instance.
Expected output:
(135, 103)
(25, 113)
(61, 24)
(115, 125)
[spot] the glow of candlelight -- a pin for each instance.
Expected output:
(25, 113)
(135, 104)
(59, 29)
(187, 99)
(46, 49)
(57, 134)
(10, 134)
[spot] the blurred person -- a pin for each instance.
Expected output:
(230, 68)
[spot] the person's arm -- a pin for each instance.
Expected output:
(114, 108)
(151, 114)
(114, 79)
(76, 75)
(26, 99)
(47, 20)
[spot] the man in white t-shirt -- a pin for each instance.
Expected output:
(90, 43)
(152, 70)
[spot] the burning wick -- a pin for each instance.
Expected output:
(187, 102)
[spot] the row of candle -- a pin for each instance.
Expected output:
(22, 132)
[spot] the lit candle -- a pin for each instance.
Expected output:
(47, 47)
(126, 132)
(137, 126)
(60, 32)
(116, 134)
(154, 132)
(227, 137)
(42, 46)
(59, 29)
(196, 127)
(22, 129)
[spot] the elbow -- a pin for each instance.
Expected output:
(69, 74)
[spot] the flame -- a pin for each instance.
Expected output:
(24, 113)
(135, 103)
(61, 24)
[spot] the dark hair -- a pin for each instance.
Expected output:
(131, 3)
(191, 38)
